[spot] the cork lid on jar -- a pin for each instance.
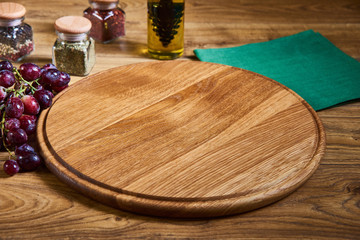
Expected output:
(11, 10)
(73, 24)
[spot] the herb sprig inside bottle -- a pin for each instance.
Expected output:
(166, 28)
(74, 50)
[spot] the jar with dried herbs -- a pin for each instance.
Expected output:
(108, 20)
(16, 37)
(74, 50)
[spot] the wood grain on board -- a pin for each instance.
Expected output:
(181, 139)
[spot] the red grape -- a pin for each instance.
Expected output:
(11, 167)
(24, 149)
(7, 78)
(62, 81)
(14, 107)
(30, 71)
(59, 89)
(12, 123)
(16, 137)
(50, 76)
(28, 123)
(44, 97)
(28, 161)
(6, 65)
(31, 105)
(48, 66)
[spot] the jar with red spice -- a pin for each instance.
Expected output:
(107, 19)
(16, 37)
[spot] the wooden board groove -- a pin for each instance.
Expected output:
(181, 139)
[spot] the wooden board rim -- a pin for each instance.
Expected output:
(155, 206)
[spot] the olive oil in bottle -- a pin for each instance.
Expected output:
(165, 28)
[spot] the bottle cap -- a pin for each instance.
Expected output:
(104, 1)
(73, 25)
(11, 10)
(104, 4)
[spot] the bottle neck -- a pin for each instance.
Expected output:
(11, 22)
(72, 37)
(103, 6)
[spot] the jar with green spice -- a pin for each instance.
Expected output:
(73, 50)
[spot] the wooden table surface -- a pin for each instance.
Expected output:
(37, 205)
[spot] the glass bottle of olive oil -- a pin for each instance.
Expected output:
(165, 28)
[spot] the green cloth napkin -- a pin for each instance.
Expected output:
(306, 62)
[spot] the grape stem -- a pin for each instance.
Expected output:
(3, 134)
(22, 80)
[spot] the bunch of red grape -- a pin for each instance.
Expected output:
(24, 93)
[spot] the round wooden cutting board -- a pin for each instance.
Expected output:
(181, 139)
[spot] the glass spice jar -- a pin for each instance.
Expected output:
(16, 37)
(73, 50)
(108, 20)
(166, 28)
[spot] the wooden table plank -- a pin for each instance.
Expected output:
(37, 205)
